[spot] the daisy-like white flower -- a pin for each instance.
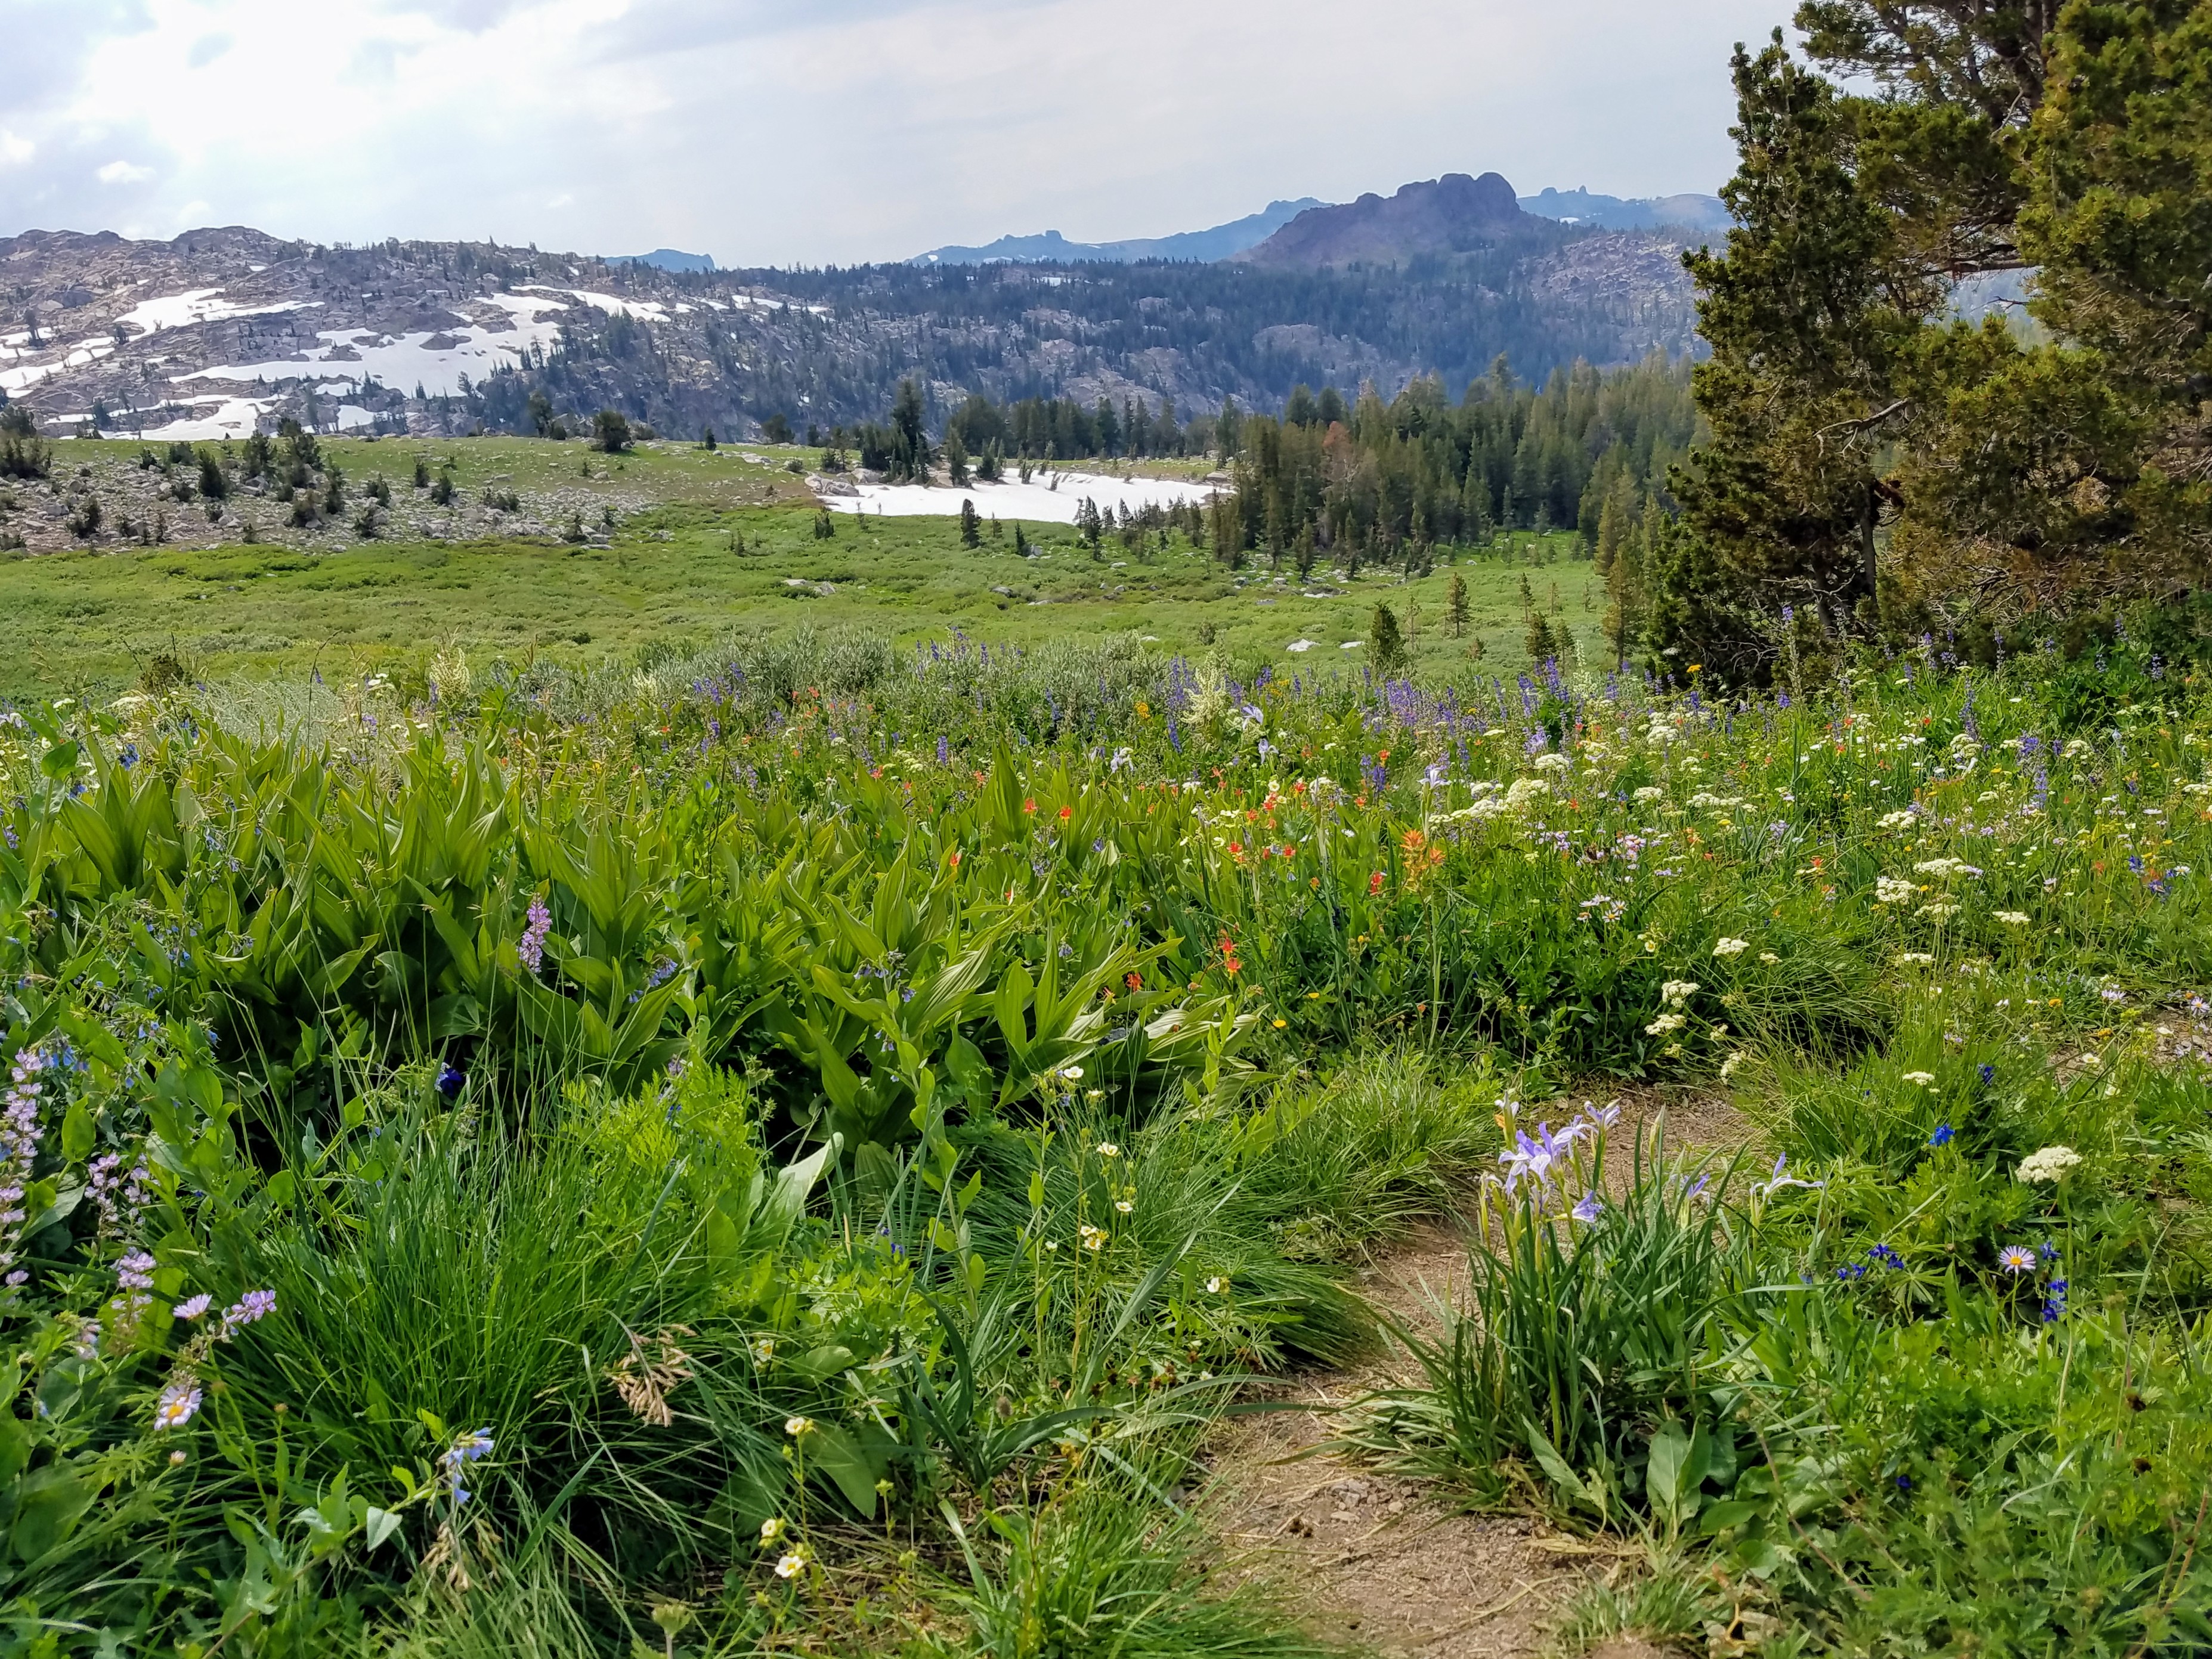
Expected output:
(1073, 1074)
(178, 1402)
(797, 1427)
(772, 1531)
(1108, 1148)
(791, 1565)
(1123, 1205)
(1215, 1285)
(1093, 1238)
(2016, 1259)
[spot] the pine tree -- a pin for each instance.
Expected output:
(971, 534)
(1386, 649)
(1455, 607)
(955, 459)
(1540, 640)
(1810, 315)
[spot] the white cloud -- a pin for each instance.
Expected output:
(762, 132)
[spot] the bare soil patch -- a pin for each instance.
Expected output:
(1382, 1563)
(1371, 1560)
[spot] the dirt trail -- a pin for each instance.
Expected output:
(1375, 1561)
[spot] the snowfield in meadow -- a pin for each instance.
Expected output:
(1049, 498)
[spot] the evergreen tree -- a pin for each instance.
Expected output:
(955, 459)
(909, 451)
(610, 432)
(1542, 645)
(971, 533)
(1811, 319)
(1228, 429)
(1455, 607)
(1386, 649)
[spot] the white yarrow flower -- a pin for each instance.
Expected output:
(2049, 1164)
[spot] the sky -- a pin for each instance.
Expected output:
(775, 132)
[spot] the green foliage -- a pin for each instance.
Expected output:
(610, 432)
(1386, 646)
(1879, 459)
(23, 452)
(817, 1087)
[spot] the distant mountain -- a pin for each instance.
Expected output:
(1702, 213)
(667, 258)
(223, 333)
(1452, 215)
(1221, 243)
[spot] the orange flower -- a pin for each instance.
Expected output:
(1413, 840)
(1375, 884)
(1065, 814)
(956, 860)
(1029, 805)
(1135, 982)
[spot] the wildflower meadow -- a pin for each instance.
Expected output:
(801, 1147)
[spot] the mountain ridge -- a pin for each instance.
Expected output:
(224, 331)
(1687, 211)
(1454, 214)
(1216, 242)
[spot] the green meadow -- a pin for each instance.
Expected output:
(704, 545)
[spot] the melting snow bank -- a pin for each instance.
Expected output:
(1038, 502)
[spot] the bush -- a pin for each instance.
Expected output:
(610, 432)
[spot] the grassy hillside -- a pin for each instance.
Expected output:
(693, 555)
